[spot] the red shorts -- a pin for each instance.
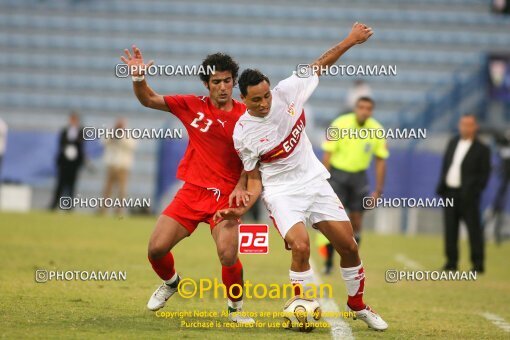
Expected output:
(193, 204)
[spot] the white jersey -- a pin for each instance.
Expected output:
(278, 141)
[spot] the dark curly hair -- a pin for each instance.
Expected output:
(220, 62)
(251, 77)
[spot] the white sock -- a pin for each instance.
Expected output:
(172, 279)
(235, 304)
(353, 278)
(304, 278)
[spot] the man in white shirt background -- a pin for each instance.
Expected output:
(464, 175)
(3, 142)
(358, 90)
(118, 158)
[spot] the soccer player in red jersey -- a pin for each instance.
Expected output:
(210, 170)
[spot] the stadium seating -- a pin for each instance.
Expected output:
(61, 55)
(77, 37)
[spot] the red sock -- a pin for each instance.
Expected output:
(164, 266)
(298, 289)
(301, 281)
(356, 301)
(230, 276)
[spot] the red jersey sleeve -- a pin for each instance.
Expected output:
(179, 104)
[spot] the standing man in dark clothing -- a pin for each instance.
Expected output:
(70, 158)
(348, 159)
(464, 175)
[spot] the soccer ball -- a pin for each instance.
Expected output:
(301, 314)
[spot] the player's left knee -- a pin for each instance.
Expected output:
(301, 250)
(228, 257)
(351, 249)
(157, 250)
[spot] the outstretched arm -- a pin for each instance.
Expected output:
(254, 186)
(380, 173)
(326, 158)
(358, 35)
(240, 192)
(147, 96)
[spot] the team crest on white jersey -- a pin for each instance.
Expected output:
(291, 109)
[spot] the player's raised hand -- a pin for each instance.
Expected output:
(360, 33)
(135, 61)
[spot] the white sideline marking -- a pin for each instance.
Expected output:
(408, 262)
(339, 328)
(497, 320)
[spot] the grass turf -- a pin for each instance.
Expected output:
(116, 309)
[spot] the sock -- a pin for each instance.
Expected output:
(233, 306)
(301, 281)
(174, 281)
(233, 275)
(164, 266)
(354, 278)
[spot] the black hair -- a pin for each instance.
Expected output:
(251, 77)
(366, 99)
(220, 62)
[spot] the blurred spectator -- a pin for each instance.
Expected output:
(503, 144)
(358, 90)
(464, 175)
(501, 6)
(3, 143)
(348, 156)
(70, 158)
(497, 212)
(118, 157)
(326, 251)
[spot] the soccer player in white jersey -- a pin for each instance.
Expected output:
(277, 155)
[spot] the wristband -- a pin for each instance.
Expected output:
(137, 78)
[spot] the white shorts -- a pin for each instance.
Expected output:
(314, 203)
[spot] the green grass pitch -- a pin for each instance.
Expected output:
(116, 309)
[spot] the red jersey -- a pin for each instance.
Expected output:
(210, 160)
